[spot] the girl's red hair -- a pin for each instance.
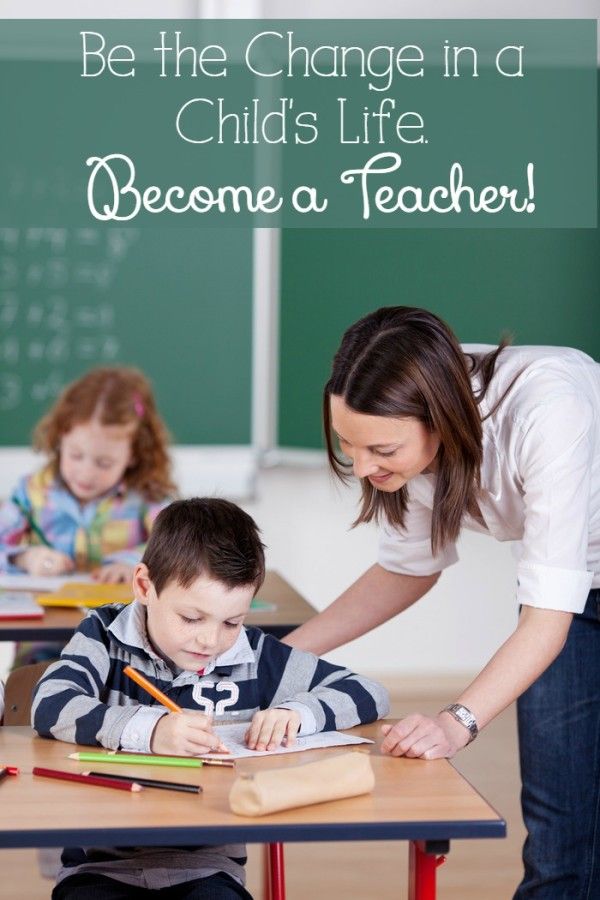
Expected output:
(114, 395)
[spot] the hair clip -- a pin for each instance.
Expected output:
(138, 406)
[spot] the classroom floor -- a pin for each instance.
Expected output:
(475, 870)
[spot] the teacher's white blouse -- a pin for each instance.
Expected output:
(540, 479)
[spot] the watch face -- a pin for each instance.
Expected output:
(465, 717)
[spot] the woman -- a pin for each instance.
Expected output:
(503, 442)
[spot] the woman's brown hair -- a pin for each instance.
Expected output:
(114, 395)
(400, 361)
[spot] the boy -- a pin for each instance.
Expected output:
(203, 564)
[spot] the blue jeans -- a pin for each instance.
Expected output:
(559, 738)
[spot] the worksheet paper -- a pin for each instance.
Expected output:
(233, 738)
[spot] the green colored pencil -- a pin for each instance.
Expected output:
(189, 762)
(32, 524)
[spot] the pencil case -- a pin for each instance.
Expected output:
(271, 790)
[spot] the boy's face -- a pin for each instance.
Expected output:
(189, 626)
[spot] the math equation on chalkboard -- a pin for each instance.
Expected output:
(57, 309)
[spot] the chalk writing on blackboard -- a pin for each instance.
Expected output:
(56, 307)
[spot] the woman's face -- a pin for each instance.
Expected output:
(389, 452)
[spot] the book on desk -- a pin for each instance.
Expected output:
(26, 604)
(84, 594)
(19, 605)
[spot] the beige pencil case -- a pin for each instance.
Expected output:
(345, 775)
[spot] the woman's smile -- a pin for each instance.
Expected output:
(380, 479)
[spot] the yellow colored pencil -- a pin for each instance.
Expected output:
(153, 691)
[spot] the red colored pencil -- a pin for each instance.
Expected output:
(87, 779)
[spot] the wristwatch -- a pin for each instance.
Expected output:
(464, 716)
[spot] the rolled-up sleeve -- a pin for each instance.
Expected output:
(554, 461)
(407, 551)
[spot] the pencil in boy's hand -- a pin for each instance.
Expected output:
(151, 689)
(162, 698)
(150, 782)
(87, 779)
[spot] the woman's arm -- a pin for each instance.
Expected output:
(533, 646)
(374, 598)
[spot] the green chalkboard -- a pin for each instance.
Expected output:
(540, 285)
(543, 286)
(176, 303)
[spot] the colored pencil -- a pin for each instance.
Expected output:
(151, 782)
(158, 695)
(3, 773)
(208, 761)
(153, 691)
(87, 779)
(189, 762)
(32, 524)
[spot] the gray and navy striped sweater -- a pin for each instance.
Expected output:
(85, 698)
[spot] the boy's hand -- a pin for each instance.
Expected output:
(187, 733)
(271, 727)
(113, 573)
(44, 561)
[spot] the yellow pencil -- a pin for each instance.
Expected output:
(153, 691)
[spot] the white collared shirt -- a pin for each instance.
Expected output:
(540, 480)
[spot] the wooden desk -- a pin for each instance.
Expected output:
(59, 624)
(426, 803)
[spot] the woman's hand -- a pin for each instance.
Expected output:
(425, 737)
(187, 733)
(271, 727)
(44, 561)
(114, 573)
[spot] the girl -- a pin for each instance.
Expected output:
(505, 442)
(107, 478)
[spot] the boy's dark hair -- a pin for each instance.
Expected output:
(205, 536)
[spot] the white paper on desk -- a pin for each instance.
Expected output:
(233, 738)
(41, 583)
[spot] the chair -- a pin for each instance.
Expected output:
(17, 711)
(18, 690)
